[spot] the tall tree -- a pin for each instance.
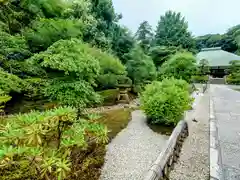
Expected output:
(172, 30)
(225, 41)
(140, 67)
(122, 42)
(144, 35)
(18, 14)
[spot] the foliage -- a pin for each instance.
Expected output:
(140, 67)
(203, 67)
(108, 81)
(10, 83)
(73, 72)
(226, 41)
(18, 14)
(172, 30)
(179, 66)
(74, 93)
(200, 79)
(165, 102)
(108, 63)
(144, 36)
(44, 32)
(161, 54)
(33, 87)
(233, 79)
(3, 99)
(122, 43)
(234, 73)
(13, 51)
(13, 47)
(234, 67)
(109, 96)
(45, 143)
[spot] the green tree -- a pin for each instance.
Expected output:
(122, 43)
(172, 30)
(161, 54)
(179, 66)
(44, 32)
(71, 70)
(144, 36)
(140, 67)
(234, 73)
(14, 50)
(225, 41)
(203, 67)
(18, 14)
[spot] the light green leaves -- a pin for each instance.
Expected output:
(45, 141)
(179, 66)
(164, 102)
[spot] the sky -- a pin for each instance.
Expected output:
(203, 16)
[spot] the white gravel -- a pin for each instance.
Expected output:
(193, 163)
(132, 151)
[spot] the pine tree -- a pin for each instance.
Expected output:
(144, 35)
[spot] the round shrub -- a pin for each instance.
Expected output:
(179, 66)
(165, 102)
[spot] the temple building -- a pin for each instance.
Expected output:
(218, 60)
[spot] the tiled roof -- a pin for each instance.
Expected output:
(217, 56)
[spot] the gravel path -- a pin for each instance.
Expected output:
(132, 151)
(193, 163)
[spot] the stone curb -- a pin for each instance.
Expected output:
(164, 163)
(214, 151)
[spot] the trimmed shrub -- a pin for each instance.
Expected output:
(179, 66)
(233, 79)
(10, 83)
(70, 74)
(200, 79)
(165, 102)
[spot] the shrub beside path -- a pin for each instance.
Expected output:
(193, 163)
(132, 151)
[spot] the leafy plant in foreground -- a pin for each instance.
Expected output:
(45, 142)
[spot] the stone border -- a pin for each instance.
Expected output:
(161, 168)
(214, 151)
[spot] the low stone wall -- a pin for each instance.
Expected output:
(161, 168)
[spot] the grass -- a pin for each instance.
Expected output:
(115, 120)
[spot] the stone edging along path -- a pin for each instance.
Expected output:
(215, 153)
(161, 168)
